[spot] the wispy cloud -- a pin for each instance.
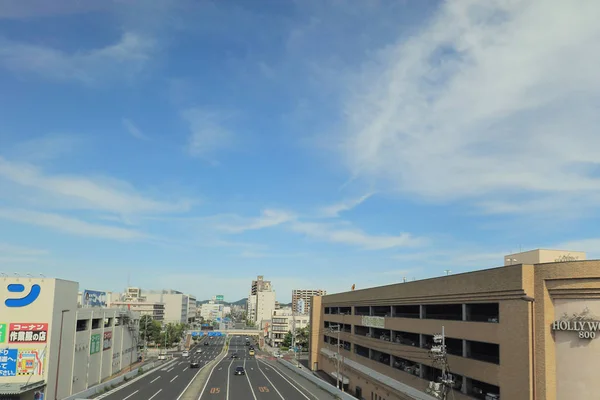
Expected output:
(133, 129)
(69, 225)
(87, 193)
(126, 58)
(353, 236)
(334, 210)
(11, 249)
(207, 131)
(465, 110)
(268, 219)
(44, 148)
(254, 254)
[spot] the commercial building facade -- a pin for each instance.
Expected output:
(176, 305)
(211, 311)
(50, 346)
(154, 310)
(281, 323)
(518, 332)
(302, 299)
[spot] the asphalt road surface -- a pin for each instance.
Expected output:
(262, 381)
(168, 382)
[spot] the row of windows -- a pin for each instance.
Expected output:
(466, 385)
(477, 312)
(481, 351)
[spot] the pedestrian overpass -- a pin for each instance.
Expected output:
(255, 333)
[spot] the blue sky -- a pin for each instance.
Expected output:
(197, 144)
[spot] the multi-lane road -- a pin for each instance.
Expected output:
(263, 380)
(168, 382)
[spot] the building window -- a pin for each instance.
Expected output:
(411, 311)
(96, 323)
(327, 310)
(407, 366)
(382, 311)
(82, 325)
(483, 312)
(361, 350)
(482, 390)
(363, 310)
(488, 352)
(362, 331)
(451, 312)
(346, 310)
(454, 346)
(381, 357)
(406, 338)
(108, 322)
(382, 334)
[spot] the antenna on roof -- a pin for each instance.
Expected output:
(447, 271)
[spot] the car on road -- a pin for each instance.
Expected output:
(194, 364)
(234, 355)
(206, 343)
(199, 351)
(185, 353)
(162, 356)
(239, 371)
(278, 355)
(251, 352)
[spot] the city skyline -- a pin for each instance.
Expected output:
(303, 142)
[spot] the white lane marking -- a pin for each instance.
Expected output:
(291, 384)
(272, 384)
(228, 373)
(154, 395)
(174, 378)
(131, 395)
(250, 383)
(211, 372)
(184, 369)
(169, 370)
(155, 379)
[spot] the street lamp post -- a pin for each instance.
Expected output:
(62, 320)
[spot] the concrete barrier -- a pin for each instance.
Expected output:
(100, 388)
(335, 392)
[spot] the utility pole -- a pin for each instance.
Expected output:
(146, 338)
(294, 336)
(441, 389)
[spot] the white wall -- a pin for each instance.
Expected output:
(265, 305)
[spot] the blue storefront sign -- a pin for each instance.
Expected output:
(8, 362)
(34, 293)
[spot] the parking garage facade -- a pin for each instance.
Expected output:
(498, 327)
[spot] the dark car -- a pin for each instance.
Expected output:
(239, 371)
(194, 364)
(234, 355)
(251, 348)
(206, 343)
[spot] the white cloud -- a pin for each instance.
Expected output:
(69, 225)
(462, 260)
(44, 148)
(208, 132)
(268, 219)
(82, 192)
(353, 236)
(334, 210)
(13, 250)
(127, 57)
(255, 254)
(133, 129)
(491, 98)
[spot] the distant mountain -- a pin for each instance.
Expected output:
(241, 302)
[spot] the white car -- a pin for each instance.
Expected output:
(185, 353)
(199, 351)
(162, 356)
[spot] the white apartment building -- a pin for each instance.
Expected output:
(265, 305)
(154, 310)
(251, 308)
(211, 311)
(39, 316)
(176, 305)
(302, 299)
(283, 322)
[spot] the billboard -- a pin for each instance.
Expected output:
(93, 298)
(219, 297)
(2, 333)
(107, 341)
(17, 362)
(27, 332)
(95, 343)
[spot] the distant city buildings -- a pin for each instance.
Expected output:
(284, 321)
(261, 301)
(302, 299)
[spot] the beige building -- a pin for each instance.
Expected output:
(281, 323)
(176, 305)
(517, 332)
(154, 310)
(302, 299)
(50, 346)
(541, 256)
